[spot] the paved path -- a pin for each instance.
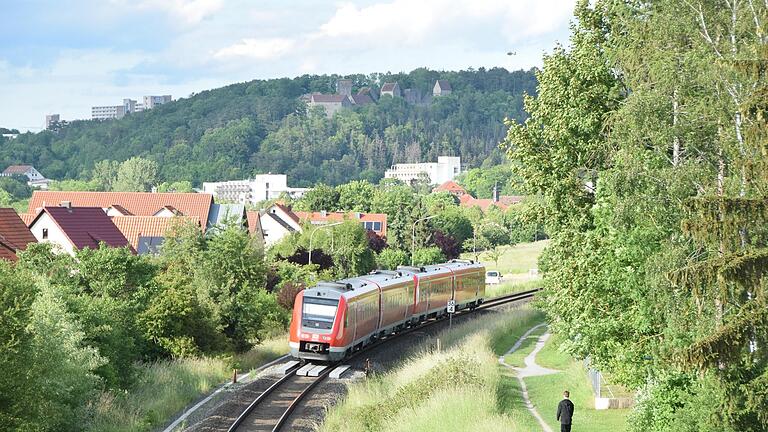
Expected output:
(530, 369)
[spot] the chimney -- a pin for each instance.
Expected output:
(358, 215)
(66, 204)
(323, 213)
(496, 192)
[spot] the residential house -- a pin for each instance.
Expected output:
(197, 205)
(34, 178)
(441, 88)
(452, 188)
(376, 222)
(392, 89)
(73, 228)
(224, 214)
(331, 103)
(14, 234)
(147, 233)
(276, 222)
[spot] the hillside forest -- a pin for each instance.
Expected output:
(262, 126)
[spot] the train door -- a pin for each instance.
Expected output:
(351, 321)
(380, 308)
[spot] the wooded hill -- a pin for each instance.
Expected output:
(262, 126)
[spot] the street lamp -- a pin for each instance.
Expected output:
(309, 261)
(413, 234)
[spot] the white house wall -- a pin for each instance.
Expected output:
(55, 234)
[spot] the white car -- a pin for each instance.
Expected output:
(492, 277)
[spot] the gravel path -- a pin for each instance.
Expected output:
(531, 369)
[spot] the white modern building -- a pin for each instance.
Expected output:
(51, 120)
(128, 106)
(251, 191)
(446, 168)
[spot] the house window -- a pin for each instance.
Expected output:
(45, 233)
(377, 226)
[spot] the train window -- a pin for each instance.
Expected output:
(318, 312)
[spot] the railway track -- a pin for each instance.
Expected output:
(271, 410)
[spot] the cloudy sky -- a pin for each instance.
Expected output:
(64, 57)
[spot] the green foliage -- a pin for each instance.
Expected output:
(427, 256)
(321, 197)
(389, 259)
(479, 182)
(136, 175)
(356, 196)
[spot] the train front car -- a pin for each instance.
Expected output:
(317, 327)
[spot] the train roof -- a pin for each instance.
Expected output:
(359, 285)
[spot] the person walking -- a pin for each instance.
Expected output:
(565, 412)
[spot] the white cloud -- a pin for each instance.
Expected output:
(191, 11)
(260, 49)
(414, 22)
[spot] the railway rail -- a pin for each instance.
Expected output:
(280, 400)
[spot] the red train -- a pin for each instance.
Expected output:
(333, 319)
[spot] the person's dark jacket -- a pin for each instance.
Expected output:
(565, 411)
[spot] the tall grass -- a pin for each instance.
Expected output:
(432, 389)
(505, 288)
(164, 388)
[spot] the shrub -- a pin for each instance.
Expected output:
(427, 256)
(389, 259)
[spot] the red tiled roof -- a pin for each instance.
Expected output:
(7, 252)
(13, 231)
(253, 220)
(341, 216)
(288, 211)
(17, 169)
(27, 218)
(134, 227)
(450, 186)
(85, 226)
(121, 209)
(138, 203)
(511, 199)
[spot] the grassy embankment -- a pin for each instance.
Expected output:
(431, 389)
(514, 264)
(165, 388)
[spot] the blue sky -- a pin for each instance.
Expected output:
(64, 57)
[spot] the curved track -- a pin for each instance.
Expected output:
(272, 408)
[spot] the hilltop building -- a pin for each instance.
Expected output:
(344, 87)
(129, 106)
(392, 89)
(442, 88)
(34, 178)
(330, 103)
(51, 120)
(446, 168)
(261, 187)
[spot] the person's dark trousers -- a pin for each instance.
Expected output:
(565, 428)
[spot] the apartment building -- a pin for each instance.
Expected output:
(446, 168)
(261, 187)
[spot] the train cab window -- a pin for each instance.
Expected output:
(318, 313)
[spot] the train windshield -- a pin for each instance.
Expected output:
(319, 312)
